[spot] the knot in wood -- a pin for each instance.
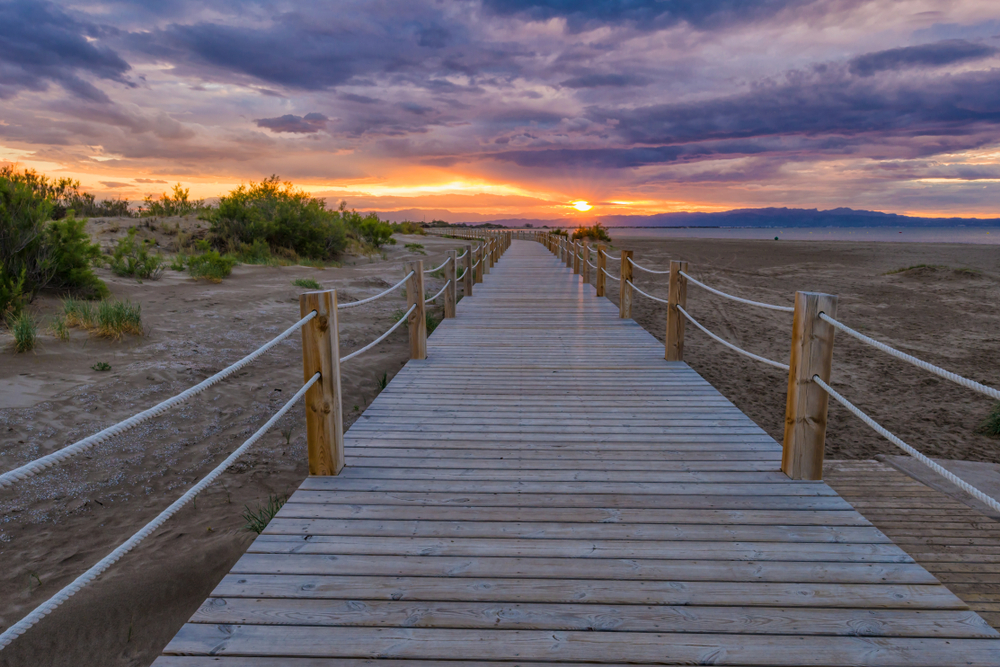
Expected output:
(324, 322)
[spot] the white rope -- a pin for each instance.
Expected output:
(759, 358)
(352, 304)
(426, 301)
(38, 465)
(593, 266)
(920, 363)
(643, 268)
(438, 268)
(944, 472)
(609, 275)
(603, 252)
(457, 257)
(785, 309)
(477, 263)
(380, 338)
(44, 609)
(648, 296)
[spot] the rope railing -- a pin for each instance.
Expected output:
(759, 304)
(34, 467)
(352, 304)
(457, 257)
(648, 296)
(609, 275)
(643, 268)
(919, 363)
(745, 353)
(47, 607)
(605, 253)
(380, 338)
(930, 463)
(438, 294)
(443, 264)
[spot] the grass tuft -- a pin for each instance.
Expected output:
(915, 266)
(383, 381)
(110, 318)
(211, 266)
(308, 283)
(416, 247)
(991, 425)
(24, 330)
(59, 328)
(257, 519)
(101, 366)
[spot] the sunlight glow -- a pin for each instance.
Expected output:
(582, 206)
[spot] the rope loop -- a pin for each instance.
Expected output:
(756, 357)
(648, 296)
(759, 304)
(380, 338)
(643, 268)
(445, 263)
(352, 304)
(426, 301)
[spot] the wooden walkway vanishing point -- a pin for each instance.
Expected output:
(545, 488)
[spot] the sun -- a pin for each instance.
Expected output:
(582, 205)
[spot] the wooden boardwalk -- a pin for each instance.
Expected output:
(545, 488)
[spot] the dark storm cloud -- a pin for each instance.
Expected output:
(645, 14)
(937, 54)
(308, 124)
(42, 44)
(605, 80)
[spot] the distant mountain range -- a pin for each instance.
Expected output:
(759, 217)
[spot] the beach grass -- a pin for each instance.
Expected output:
(991, 425)
(257, 519)
(110, 318)
(307, 283)
(24, 329)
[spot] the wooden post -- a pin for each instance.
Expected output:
(805, 409)
(601, 263)
(467, 276)
(585, 266)
(487, 252)
(624, 289)
(479, 269)
(676, 296)
(417, 320)
(569, 254)
(321, 354)
(576, 258)
(451, 291)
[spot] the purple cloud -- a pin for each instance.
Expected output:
(308, 124)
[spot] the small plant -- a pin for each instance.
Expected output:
(24, 330)
(432, 322)
(131, 258)
(398, 314)
(211, 266)
(59, 328)
(286, 433)
(308, 283)
(991, 425)
(915, 266)
(383, 381)
(101, 366)
(110, 318)
(416, 247)
(77, 313)
(596, 233)
(257, 519)
(179, 262)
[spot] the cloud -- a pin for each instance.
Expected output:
(605, 80)
(42, 44)
(936, 54)
(308, 124)
(148, 180)
(115, 185)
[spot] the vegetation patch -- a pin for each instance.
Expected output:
(416, 247)
(132, 258)
(258, 518)
(596, 233)
(991, 425)
(22, 326)
(171, 205)
(109, 319)
(211, 266)
(931, 267)
(307, 283)
(101, 366)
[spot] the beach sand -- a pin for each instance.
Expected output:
(59, 523)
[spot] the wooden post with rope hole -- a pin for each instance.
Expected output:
(585, 265)
(624, 288)
(807, 402)
(569, 253)
(467, 276)
(451, 291)
(321, 354)
(601, 263)
(676, 296)
(487, 253)
(478, 275)
(576, 258)
(417, 320)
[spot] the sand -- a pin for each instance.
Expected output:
(61, 522)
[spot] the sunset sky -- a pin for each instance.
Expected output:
(470, 111)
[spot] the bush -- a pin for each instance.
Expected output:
(35, 252)
(308, 283)
(109, 318)
(558, 232)
(370, 229)
(595, 233)
(277, 214)
(407, 227)
(211, 266)
(167, 205)
(416, 247)
(24, 329)
(258, 252)
(131, 258)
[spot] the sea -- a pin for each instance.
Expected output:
(978, 235)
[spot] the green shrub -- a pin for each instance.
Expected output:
(369, 229)
(407, 227)
(36, 253)
(558, 232)
(24, 330)
(109, 318)
(179, 262)
(211, 266)
(101, 366)
(416, 247)
(166, 205)
(279, 215)
(59, 328)
(595, 233)
(308, 283)
(258, 252)
(131, 258)
(991, 425)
